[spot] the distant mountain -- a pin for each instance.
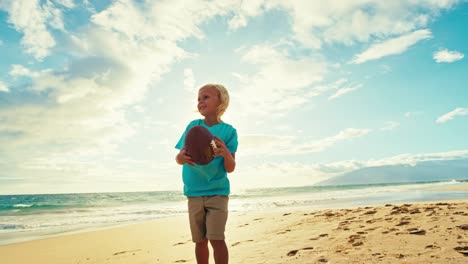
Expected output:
(438, 170)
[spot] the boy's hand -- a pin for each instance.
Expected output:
(183, 157)
(222, 151)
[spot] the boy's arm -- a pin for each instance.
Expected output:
(229, 157)
(230, 162)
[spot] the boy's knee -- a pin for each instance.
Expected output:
(202, 243)
(217, 243)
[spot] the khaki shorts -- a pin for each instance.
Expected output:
(208, 216)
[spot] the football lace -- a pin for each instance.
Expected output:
(213, 145)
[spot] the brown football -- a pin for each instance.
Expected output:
(200, 145)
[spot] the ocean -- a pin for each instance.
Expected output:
(29, 217)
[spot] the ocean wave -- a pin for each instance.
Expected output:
(22, 205)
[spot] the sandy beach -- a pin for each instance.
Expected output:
(404, 233)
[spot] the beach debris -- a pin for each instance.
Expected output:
(462, 250)
(464, 226)
(180, 261)
(416, 231)
(286, 214)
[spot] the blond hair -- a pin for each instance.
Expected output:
(223, 96)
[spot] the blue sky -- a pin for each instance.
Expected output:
(95, 94)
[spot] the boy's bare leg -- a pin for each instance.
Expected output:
(202, 252)
(220, 251)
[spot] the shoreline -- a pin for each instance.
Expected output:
(254, 237)
(35, 235)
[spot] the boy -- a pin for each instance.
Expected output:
(207, 187)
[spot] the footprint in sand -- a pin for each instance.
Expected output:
(403, 223)
(321, 235)
(237, 243)
(123, 252)
(284, 232)
(294, 252)
(462, 250)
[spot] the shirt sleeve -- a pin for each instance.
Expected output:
(232, 142)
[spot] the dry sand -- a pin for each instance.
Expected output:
(407, 233)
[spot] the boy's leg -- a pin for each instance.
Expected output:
(197, 215)
(220, 251)
(202, 253)
(216, 218)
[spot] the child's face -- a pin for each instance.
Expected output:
(208, 101)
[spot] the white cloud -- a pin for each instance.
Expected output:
(246, 9)
(323, 88)
(344, 90)
(413, 113)
(65, 3)
(315, 23)
(112, 67)
(3, 87)
(451, 115)
(393, 46)
(413, 159)
(323, 144)
(280, 174)
(19, 70)
(390, 125)
(279, 85)
(447, 56)
(287, 145)
(32, 19)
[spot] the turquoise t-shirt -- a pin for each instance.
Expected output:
(209, 179)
